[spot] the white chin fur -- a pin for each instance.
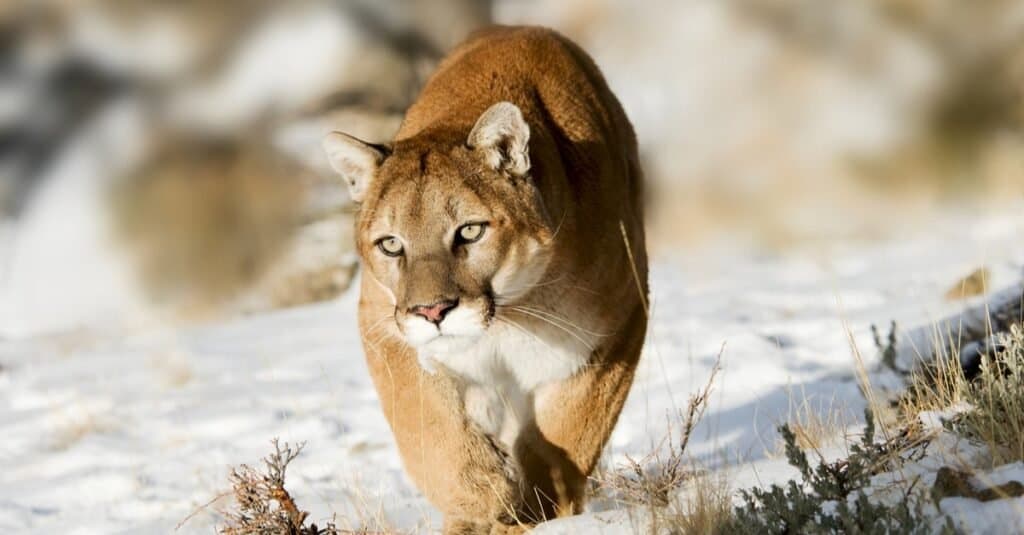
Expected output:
(501, 365)
(459, 331)
(438, 350)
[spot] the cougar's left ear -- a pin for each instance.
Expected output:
(356, 161)
(502, 136)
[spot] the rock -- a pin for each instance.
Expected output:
(974, 284)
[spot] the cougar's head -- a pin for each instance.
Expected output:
(451, 224)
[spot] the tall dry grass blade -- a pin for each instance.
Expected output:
(636, 273)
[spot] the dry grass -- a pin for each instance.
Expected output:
(994, 406)
(688, 500)
(366, 515)
(705, 511)
(263, 506)
(815, 425)
(997, 396)
(667, 484)
(935, 386)
(654, 479)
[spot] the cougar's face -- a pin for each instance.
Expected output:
(451, 240)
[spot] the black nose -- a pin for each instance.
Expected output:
(436, 312)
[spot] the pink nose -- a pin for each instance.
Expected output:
(436, 312)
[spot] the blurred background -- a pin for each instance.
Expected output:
(160, 161)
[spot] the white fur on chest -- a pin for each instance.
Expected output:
(504, 368)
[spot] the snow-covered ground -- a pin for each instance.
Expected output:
(131, 434)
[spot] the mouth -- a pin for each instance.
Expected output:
(443, 339)
(446, 344)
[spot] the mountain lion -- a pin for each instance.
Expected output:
(503, 303)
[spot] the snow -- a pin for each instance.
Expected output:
(132, 433)
(989, 518)
(113, 422)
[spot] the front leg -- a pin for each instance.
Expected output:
(573, 421)
(462, 471)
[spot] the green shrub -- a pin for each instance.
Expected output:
(831, 497)
(996, 397)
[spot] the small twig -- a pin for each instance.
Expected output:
(699, 403)
(201, 508)
(264, 505)
(652, 480)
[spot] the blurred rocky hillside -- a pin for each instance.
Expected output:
(785, 120)
(168, 152)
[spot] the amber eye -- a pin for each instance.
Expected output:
(390, 246)
(470, 233)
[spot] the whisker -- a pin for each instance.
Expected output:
(556, 317)
(584, 289)
(377, 323)
(563, 328)
(559, 227)
(523, 330)
(500, 300)
(548, 283)
(377, 327)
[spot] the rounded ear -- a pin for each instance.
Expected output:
(502, 136)
(355, 160)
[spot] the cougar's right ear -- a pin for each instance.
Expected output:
(502, 136)
(355, 160)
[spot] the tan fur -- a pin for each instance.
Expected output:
(552, 271)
